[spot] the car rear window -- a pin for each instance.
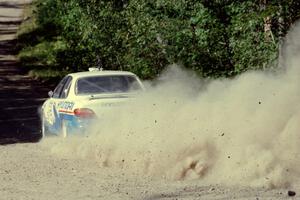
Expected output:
(107, 84)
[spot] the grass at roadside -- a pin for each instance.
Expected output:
(29, 23)
(37, 54)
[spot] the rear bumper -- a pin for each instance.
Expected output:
(79, 126)
(74, 125)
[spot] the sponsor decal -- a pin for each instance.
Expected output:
(66, 107)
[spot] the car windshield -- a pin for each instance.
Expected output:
(107, 84)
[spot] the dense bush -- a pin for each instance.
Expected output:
(215, 38)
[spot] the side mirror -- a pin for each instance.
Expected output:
(66, 91)
(50, 94)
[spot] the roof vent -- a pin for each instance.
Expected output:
(93, 69)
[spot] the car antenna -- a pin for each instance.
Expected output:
(99, 64)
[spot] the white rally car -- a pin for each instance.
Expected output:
(81, 97)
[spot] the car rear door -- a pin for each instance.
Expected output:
(54, 103)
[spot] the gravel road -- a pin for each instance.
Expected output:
(33, 171)
(30, 171)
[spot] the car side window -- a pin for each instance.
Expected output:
(59, 87)
(65, 91)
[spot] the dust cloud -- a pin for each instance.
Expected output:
(241, 131)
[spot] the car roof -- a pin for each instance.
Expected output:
(99, 73)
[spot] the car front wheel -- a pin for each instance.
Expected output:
(45, 130)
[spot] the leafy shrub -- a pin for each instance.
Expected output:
(214, 38)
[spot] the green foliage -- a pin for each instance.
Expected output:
(251, 48)
(214, 38)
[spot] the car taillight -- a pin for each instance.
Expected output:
(84, 113)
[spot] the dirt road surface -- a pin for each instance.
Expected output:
(31, 171)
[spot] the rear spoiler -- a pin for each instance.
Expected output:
(92, 97)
